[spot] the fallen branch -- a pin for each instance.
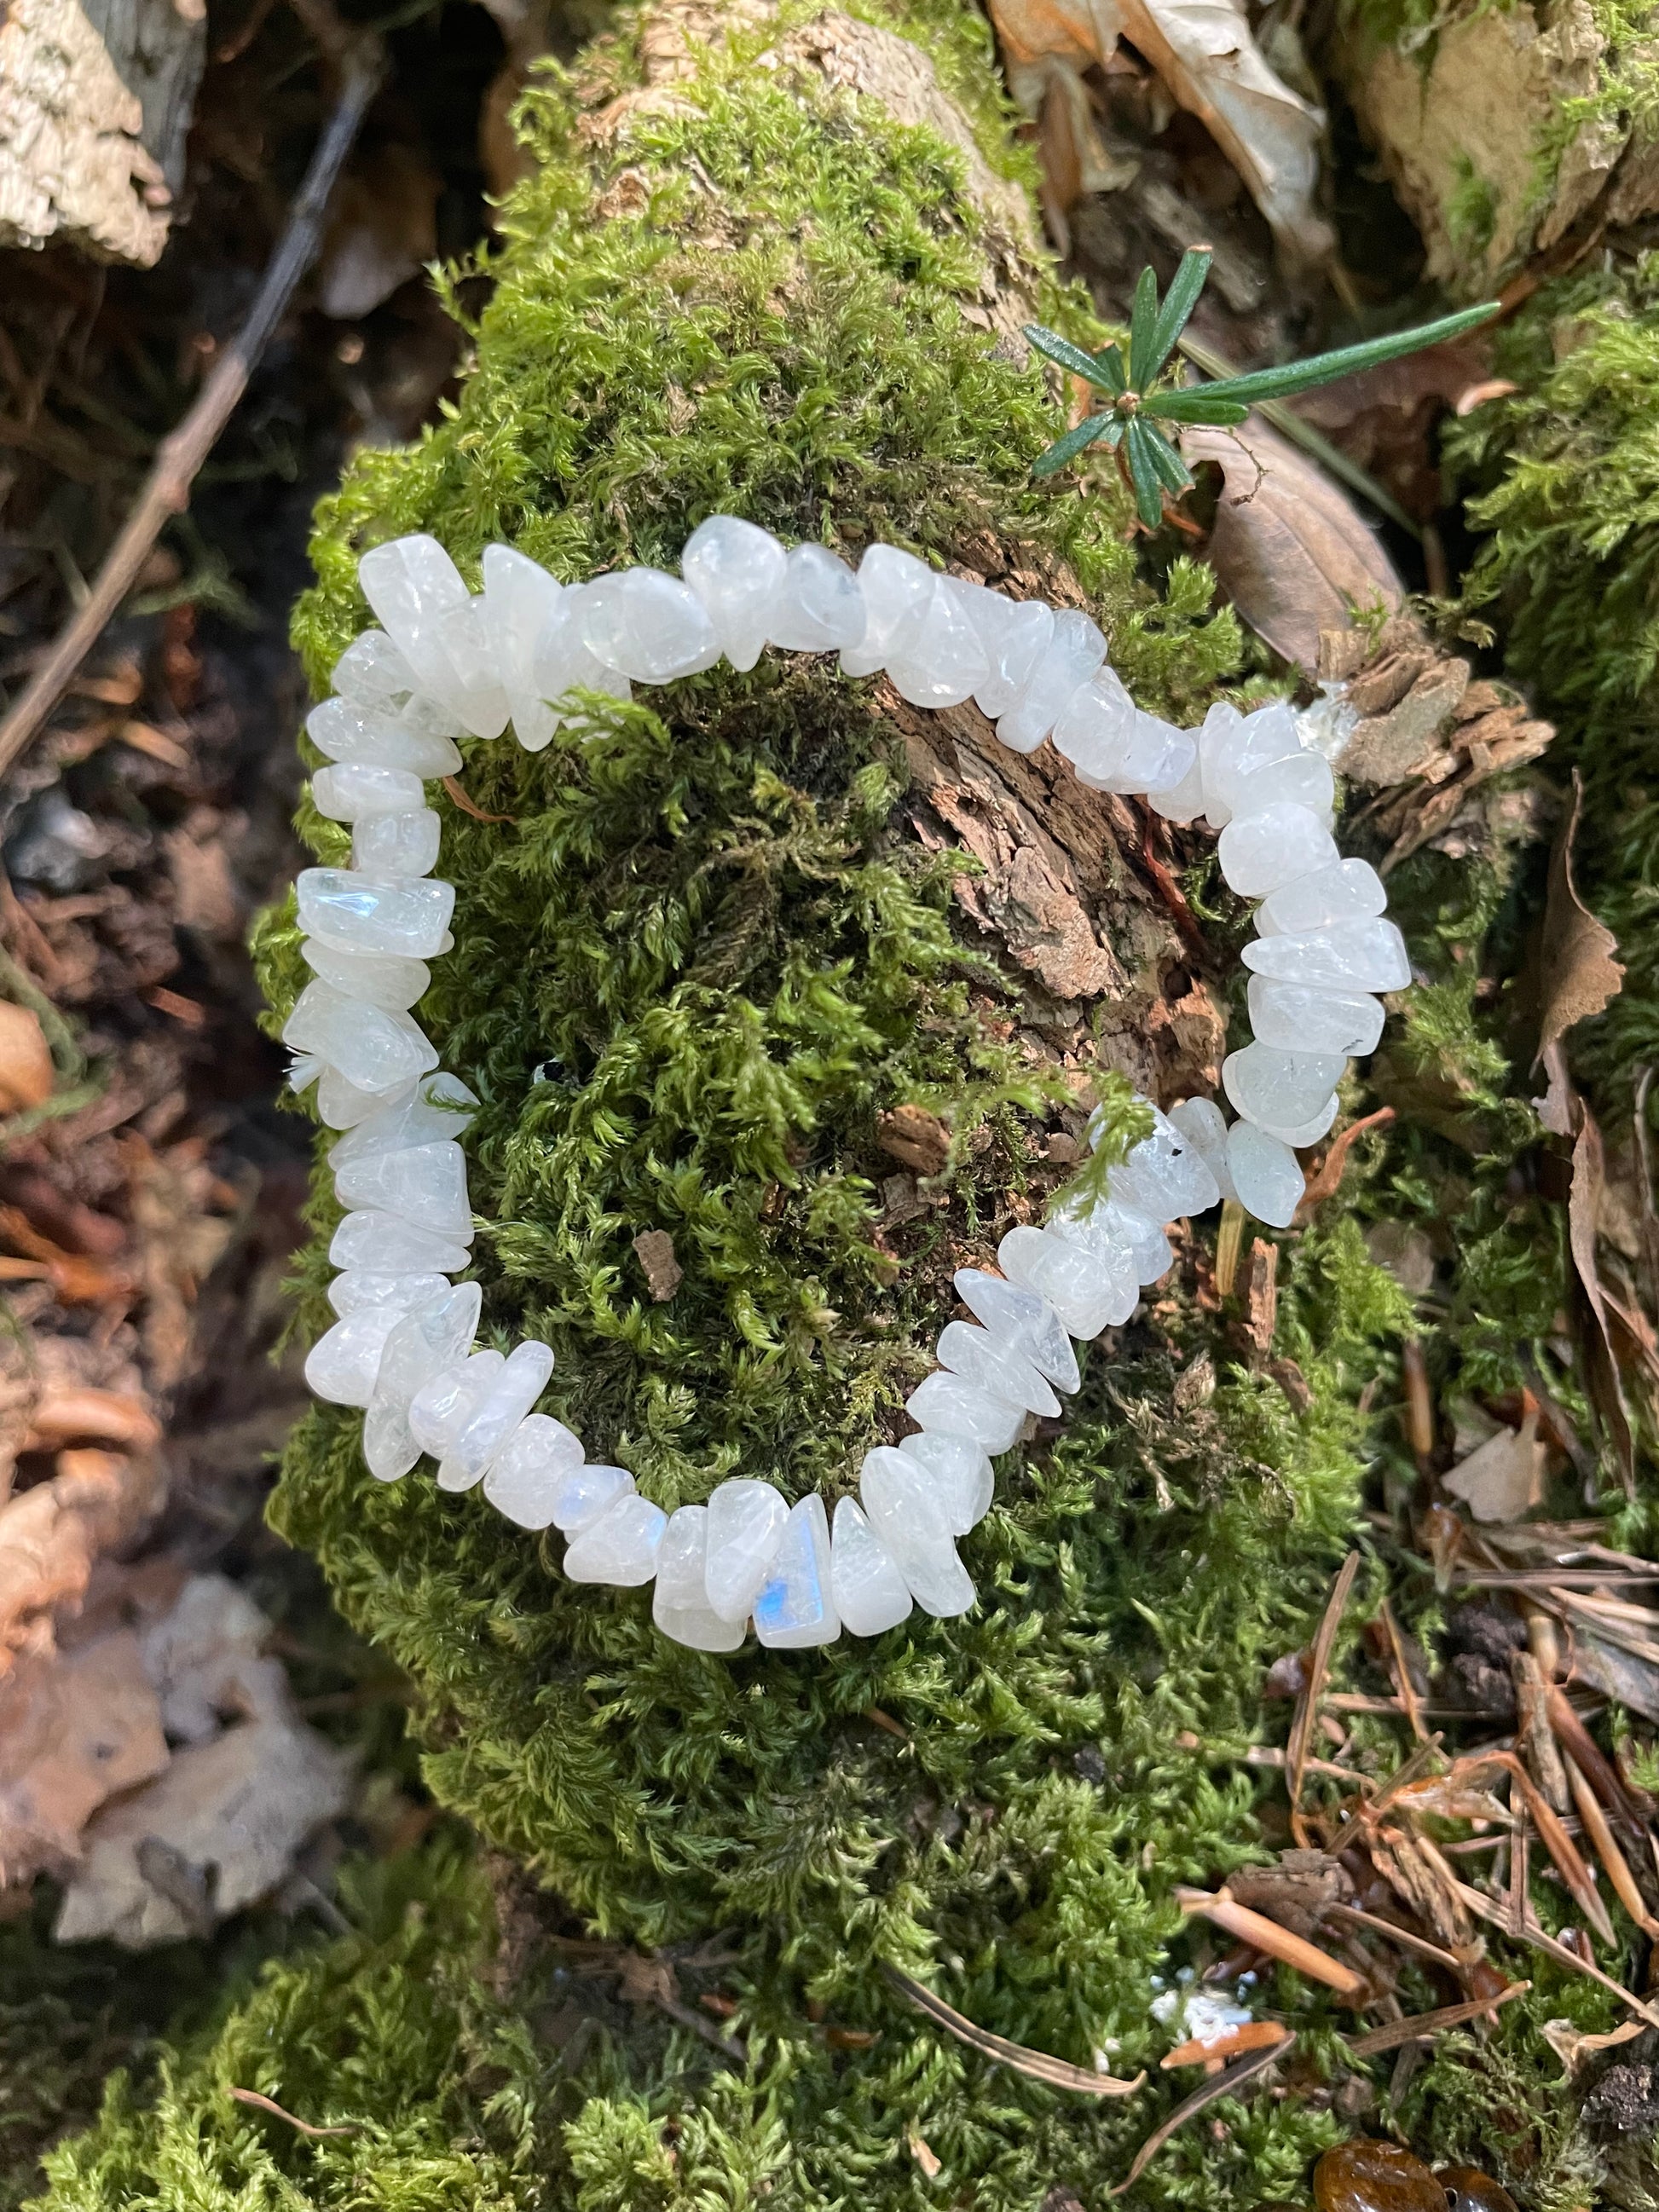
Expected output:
(1218, 2085)
(1036, 2065)
(179, 459)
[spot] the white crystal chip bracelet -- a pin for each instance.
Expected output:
(449, 663)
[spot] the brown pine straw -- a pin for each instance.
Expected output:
(1036, 2065)
(1223, 1911)
(1483, 1909)
(1307, 1705)
(1421, 2025)
(1225, 2084)
(1607, 1848)
(265, 2104)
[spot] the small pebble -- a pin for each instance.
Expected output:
(1468, 2190)
(1364, 2175)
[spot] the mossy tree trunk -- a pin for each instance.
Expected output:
(723, 955)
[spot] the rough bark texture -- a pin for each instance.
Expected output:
(96, 99)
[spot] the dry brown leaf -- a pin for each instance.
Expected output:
(51, 1536)
(26, 1069)
(1503, 1478)
(1580, 975)
(382, 228)
(1387, 418)
(1572, 2046)
(911, 1134)
(75, 1729)
(1292, 550)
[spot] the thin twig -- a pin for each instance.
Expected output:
(265, 2104)
(1307, 1710)
(1403, 1674)
(1220, 2085)
(1429, 2024)
(1223, 1910)
(1036, 2065)
(181, 453)
(1483, 1907)
(1407, 1938)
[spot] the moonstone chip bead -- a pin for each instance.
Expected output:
(736, 570)
(869, 1592)
(1308, 1131)
(1126, 1228)
(480, 698)
(1261, 852)
(447, 1396)
(897, 590)
(496, 1414)
(1349, 955)
(586, 1488)
(1095, 730)
(353, 789)
(944, 1402)
(964, 1476)
(520, 600)
(1203, 1128)
(372, 672)
(359, 914)
(394, 846)
(797, 1606)
(907, 1513)
(359, 1287)
(745, 1527)
(1269, 1085)
(376, 1050)
(426, 1342)
(1232, 747)
(1303, 779)
(1016, 645)
(1154, 753)
(561, 662)
(647, 625)
(1161, 1179)
(1018, 1317)
(411, 583)
(339, 1103)
(1073, 652)
(341, 1366)
(525, 1479)
(620, 1547)
(820, 607)
(679, 1606)
(369, 1239)
(438, 1105)
(997, 1368)
(376, 979)
(1348, 891)
(425, 1184)
(1265, 1174)
(1182, 801)
(1298, 1019)
(366, 737)
(947, 662)
(1089, 1288)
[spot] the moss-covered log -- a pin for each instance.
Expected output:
(715, 960)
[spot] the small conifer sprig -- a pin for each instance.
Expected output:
(1140, 404)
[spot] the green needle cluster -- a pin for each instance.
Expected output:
(1139, 406)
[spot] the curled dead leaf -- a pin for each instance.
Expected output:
(25, 1070)
(1291, 549)
(1580, 976)
(919, 1138)
(1503, 1478)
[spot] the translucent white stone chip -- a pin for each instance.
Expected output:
(369, 1239)
(745, 1527)
(1358, 955)
(391, 847)
(363, 736)
(820, 607)
(374, 1049)
(1310, 1129)
(736, 570)
(1182, 800)
(1090, 1289)
(978, 1358)
(947, 661)
(585, 1489)
(1074, 651)
(410, 583)
(1162, 1181)
(870, 1592)
(1265, 1175)
(479, 697)
(353, 789)
(520, 599)
(361, 914)
(1303, 779)
(341, 1366)
(620, 1547)
(906, 1512)
(1203, 1126)
(897, 590)
(1303, 1020)
(1232, 747)
(432, 1339)
(372, 672)
(425, 1184)
(447, 1395)
(1016, 646)
(1259, 853)
(1348, 891)
(495, 1415)
(1095, 731)
(647, 625)
(358, 1288)
(965, 1479)
(378, 979)
(437, 1105)
(1156, 755)
(527, 1479)
(1270, 1086)
(340, 1103)
(562, 663)
(944, 1402)
(1021, 1318)
(796, 1607)
(679, 1605)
